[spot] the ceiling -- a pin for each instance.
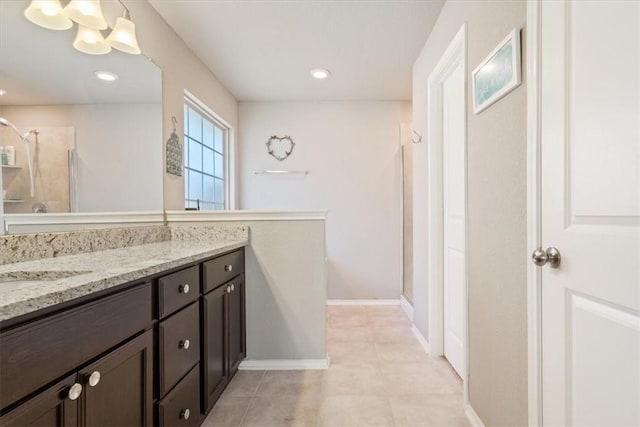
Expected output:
(264, 50)
(41, 67)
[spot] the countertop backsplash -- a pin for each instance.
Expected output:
(16, 248)
(209, 232)
(28, 247)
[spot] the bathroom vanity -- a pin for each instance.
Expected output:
(141, 335)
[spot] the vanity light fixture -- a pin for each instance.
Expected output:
(3, 92)
(123, 36)
(106, 76)
(320, 73)
(47, 14)
(88, 15)
(91, 41)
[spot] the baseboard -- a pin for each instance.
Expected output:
(363, 302)
(473, 418)
(421, 339)
(284, 364)
(406, 307)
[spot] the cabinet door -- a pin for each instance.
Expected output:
(50, 408)
(237, 330)
(214, 358)
(118, 388)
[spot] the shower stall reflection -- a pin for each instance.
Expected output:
(42, 179)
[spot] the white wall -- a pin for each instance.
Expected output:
(352, 153)
(120, 169)
(496, 203)
(119, 151)
(181, 70)
(286, 284)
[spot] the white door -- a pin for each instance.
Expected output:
(453, 137)
(590, 136)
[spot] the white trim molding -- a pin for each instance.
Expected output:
(284, 364)
(473, 418)
(363, 302)
(59, 220)
(208, 216)
(454, 55)
(407, 307)
(534, 280)
(421, 339)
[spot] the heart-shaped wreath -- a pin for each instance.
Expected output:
(280, 147)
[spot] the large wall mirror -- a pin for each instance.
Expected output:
(96, 146)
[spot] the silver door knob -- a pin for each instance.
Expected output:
(185, 344)
(228, 267)
(184, 289)
(75, 391)
(233, 287)
(228, 289)
(185, 414)
(541, 257)
(94, 378)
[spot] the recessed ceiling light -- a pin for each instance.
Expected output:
(106, 76)
(320, 73)
(3, 92)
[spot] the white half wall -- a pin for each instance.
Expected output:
(286, 293)
(352, 153)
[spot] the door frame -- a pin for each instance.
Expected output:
(454, 55)
(534, 206)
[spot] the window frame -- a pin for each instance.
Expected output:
(190, 101)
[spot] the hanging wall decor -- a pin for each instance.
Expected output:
(498, 74)
(174, 152)
(280, 147)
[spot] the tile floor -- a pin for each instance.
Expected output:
(379, 376)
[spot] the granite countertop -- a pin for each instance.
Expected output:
(32, 285)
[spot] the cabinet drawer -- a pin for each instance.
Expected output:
(222, 269)
(177, 290)
(179, 346)
(181, 407)
(39, 352)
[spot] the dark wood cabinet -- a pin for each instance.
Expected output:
(49, 408)
(214, 344)
(118, 388)
(159, 351)
(181, 406)
(36, 353)
(237, 328)
(178, 346)
(178, 289)
(222, 269)
(223, 338)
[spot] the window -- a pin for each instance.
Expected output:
(205, 160)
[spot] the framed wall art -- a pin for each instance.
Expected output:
(498, 74)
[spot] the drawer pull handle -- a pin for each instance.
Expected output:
(185, 344)
(185, 414)
(94, 378)
(228, 289)
(184, 289)
(228, 267)
(75, 391)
